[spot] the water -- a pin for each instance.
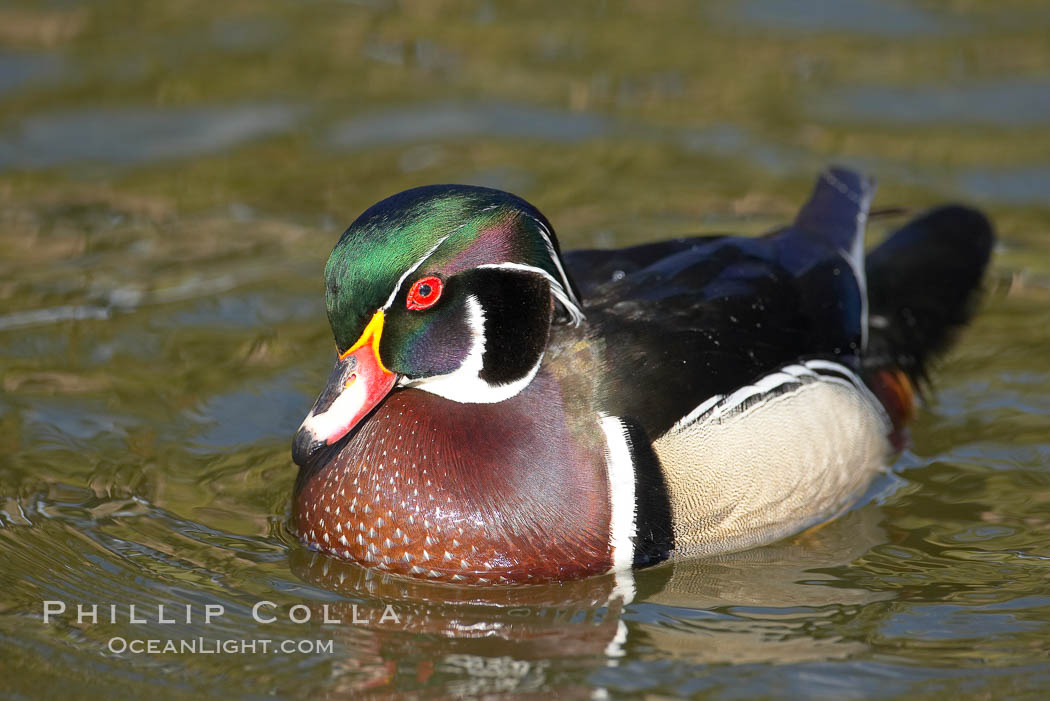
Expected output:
(173, 176)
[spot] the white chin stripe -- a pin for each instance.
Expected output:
(465, 385)
(622, 506)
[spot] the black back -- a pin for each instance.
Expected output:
(687, 319)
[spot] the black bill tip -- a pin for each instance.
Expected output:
(305, 446)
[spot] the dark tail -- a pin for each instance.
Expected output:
(923, 285)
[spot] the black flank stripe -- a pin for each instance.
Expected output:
(654, 535)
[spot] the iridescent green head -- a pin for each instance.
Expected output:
(443, 229)
(454, 290)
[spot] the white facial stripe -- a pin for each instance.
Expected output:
(465, 385)
(414, 268)
(622, 506)
(561, 293)
(557, 262)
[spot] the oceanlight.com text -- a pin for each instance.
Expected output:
(218, 646)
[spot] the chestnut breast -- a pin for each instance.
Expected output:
(510, 492)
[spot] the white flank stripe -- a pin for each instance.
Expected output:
(798, 371)
(851, 378)
(696, 413)
(765, 384)
(720, 405)
(622, 506)
(855, 382)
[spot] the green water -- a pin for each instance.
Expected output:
(173, 175)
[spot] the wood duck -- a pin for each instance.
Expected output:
(501, 413)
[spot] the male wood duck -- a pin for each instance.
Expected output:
(501, 413)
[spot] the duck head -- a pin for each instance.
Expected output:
(448, 289)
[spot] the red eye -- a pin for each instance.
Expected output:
(424, 293)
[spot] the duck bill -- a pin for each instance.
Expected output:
(359, 381)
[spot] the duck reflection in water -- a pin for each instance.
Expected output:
(493, 640)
